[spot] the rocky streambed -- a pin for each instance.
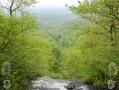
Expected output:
(47, 83)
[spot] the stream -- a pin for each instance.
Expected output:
(47, 83)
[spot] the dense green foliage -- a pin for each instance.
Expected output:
(84, 49)
(98, 42)
(27, 49)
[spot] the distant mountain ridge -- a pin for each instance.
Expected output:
(50, 17)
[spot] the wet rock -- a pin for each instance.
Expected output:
(74, 84)
(84, 87)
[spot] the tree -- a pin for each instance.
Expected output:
(26, 48)
(98, 11)
(98, 40)
(17, 5)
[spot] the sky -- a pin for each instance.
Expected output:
(52, 2)
(57, 2)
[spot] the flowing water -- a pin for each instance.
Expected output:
(46, 83)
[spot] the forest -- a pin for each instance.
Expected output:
(86, 48)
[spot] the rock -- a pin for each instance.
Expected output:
(74, 84)
(84, 87)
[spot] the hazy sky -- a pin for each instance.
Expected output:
(52, 2)
(57, 2)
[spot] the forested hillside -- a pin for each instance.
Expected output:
(78, 44)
